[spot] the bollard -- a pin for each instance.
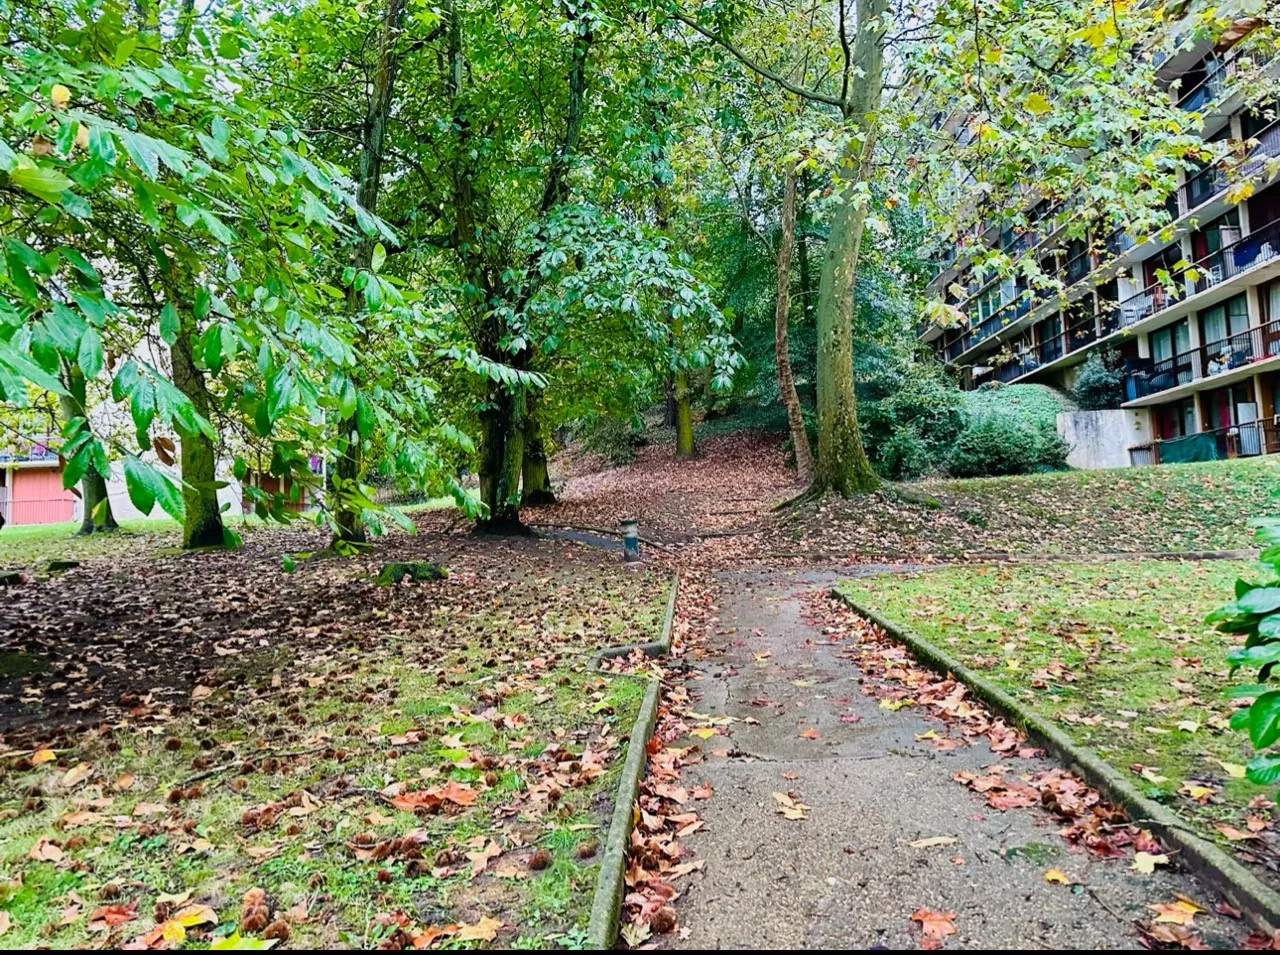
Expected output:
(630, 541)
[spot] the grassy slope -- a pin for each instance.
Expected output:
(1179, 507)
(1035, 404)
(1116, 652)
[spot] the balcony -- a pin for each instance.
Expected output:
(1249, 439)
(1203, 186)
(1206, 361)
(1213, 269)
(1208, 89)
(1257, 247)
(30, 450)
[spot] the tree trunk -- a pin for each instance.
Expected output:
(685, 447)
(93, 486)
(680, 400)
(786, 384)
(535, 480)
(501, 461)
(350, 464)
(202, 523)
(842, 464)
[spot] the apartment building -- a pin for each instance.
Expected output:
(1193, 314)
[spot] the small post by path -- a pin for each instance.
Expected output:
(630, 541)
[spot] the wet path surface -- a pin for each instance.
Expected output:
(847, 876)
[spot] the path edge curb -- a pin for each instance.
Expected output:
(1260, 903)
(606, 904)
(652, 648)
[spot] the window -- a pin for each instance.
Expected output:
(1171, 341)
(1271, 302)
(1223, 321)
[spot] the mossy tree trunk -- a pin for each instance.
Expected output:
(786, 382)
(198, 458)
(535, 479)
(502, 460)
(842, 464)
(680, 401)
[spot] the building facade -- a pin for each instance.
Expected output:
(1191, 315)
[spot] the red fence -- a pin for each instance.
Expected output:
(51, 511)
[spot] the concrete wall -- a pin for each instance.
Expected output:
(1101, 439)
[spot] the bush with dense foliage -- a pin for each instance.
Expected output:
(1099, 385)
(1002, 444)
(909, 418)
(1255, 615)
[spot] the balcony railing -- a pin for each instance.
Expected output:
(1245, 440)
(1154, 298)
(1253, 249)
(1208, 89)
(29, 449)
(1204, 185)
(1205, 361)
(1016, 367)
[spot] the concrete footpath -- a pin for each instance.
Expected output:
(847, 876)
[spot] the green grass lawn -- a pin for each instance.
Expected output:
(1115, 652)
(30, 545)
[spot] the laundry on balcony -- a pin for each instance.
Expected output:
(1248, 251)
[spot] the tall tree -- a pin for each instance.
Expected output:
(842, 464)
(349, 509)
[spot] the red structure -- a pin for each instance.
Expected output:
(31, 490)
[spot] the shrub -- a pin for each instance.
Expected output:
(1254, 614)
(909, 419)
(613, 437)
(993, 445)
(1099, 384)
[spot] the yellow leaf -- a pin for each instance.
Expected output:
(194, 915)
(486, 930)
(43, 756)
(1196, 791)
(60, 95)
(1057, 877)
(173, 932)
(1146, 862)
(703, 732)
(1037, 104)
(1234, 770)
